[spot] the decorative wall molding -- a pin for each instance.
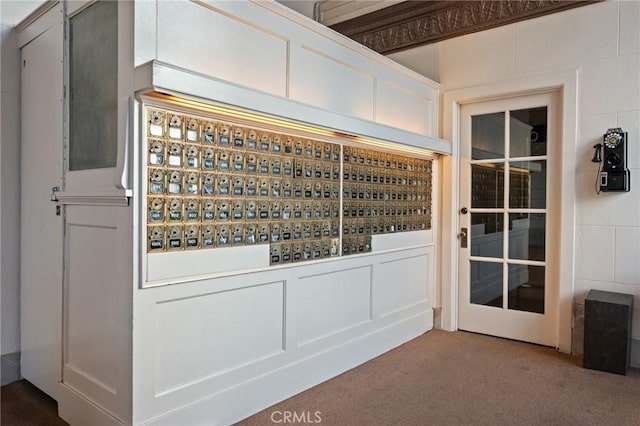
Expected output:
(414, 23)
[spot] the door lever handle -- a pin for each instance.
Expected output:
(463, 237)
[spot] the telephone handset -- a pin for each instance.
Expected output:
(614, 175)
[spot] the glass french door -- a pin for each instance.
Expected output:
(507, 275)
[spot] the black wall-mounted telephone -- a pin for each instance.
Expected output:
(614, 175)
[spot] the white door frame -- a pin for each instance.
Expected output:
(567, 84)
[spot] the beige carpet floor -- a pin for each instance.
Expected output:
(444, 378)
(439, 378)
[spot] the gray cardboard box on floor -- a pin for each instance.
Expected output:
(607, 331)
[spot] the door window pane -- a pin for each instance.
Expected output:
(487, 185)
(487, 232)
(486, 283)
(528, 132)
(526, 236)
(528, 184)
(93, 75)
(526, 288)
(487, 136)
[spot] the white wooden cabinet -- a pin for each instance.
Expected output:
(200, 337)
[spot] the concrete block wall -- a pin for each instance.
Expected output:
(603, 41)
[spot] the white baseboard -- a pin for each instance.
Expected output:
(75, 409)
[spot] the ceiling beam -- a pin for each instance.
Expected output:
(415, 23)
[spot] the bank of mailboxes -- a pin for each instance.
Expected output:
(213, 184)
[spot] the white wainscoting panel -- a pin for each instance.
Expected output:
(233, 329)
(298, 374)
(331, 302)
(96, 326)
(340, 87)
(215, 350)
(409, 107)
(399, 240)
(178, 265)
(90, 323)
(263, 56)
(207, 40)
(145, 31)
(402, 283)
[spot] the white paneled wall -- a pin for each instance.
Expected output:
(339, 76)
(264, 47)
(603, 41)
(213, 351)
(421, 59)
(236, 49)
